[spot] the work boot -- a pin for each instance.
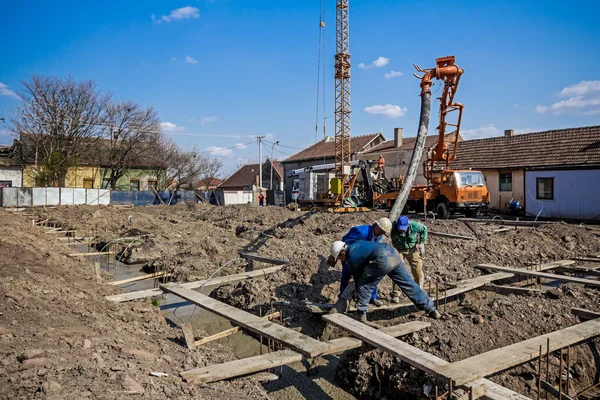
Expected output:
(377, 302)
(435, 314)
(362, 317)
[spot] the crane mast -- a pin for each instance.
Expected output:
(342, 98)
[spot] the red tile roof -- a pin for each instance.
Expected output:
(573, 146)
(243, 177)
(207, 182)
(326, 148)
(277, 167)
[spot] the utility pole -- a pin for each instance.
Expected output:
(260, 138)
(271, 177)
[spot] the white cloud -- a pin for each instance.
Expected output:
(388, 110)
(187, 12)
(580, 89)
(576, 105)
(173, 60)
(584, 99)
(485, 131)
(241, 146)
(380, 62)
(171, 127)
(190, 60)
(208, 120)
(5, 91)
(392, 74)
(219, 151)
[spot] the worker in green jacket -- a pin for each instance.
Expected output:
(409, 238)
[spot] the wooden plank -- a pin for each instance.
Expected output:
(250, 365)
(256, 257)
(295, 340)
(59, 231)
(241, 367)
(497, 360)
(91, 253)
(452, 236)
(161, 274)
(222, 280)
(561, 278)
(188, 335)
(413, 356)
(554, 391)
(97, 271)
(506, 290)
(231, 331)
(585, 314)
(588, 259)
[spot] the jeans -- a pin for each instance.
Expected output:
(395, 269)
(346, 275)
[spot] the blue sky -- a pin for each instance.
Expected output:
(222, 71)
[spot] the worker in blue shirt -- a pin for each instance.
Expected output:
(370, 233)
(369, 263)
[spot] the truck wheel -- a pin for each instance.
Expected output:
(442, 211)
(471, 213)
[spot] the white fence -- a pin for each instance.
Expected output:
(23, 197)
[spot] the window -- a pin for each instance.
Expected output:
(469, 179)
(88, 183)
(545, 188)
(134, 184)
(505, 181)
(152, 184)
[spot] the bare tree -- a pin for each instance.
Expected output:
(57, 122)
(132, 133)
(211, 170)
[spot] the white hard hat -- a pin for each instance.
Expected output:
(335, 248)
(385, 225)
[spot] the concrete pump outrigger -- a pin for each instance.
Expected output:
(446, 190)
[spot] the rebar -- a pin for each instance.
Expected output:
(445, 296)
(560, 375)
(450, 388)
(261, 338)
(437, 297)
(436, 388)
(539, 375)
(568, 367)
(547, 363)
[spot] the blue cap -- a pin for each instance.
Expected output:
(402, 223)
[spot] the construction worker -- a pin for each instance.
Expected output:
(409, 238)
(261, 199)
(370, 233)
(368, 263)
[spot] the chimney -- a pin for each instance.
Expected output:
(509, 132)
(397, 137)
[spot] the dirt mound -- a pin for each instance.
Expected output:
(60, 338)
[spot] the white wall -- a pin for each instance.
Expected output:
(13, 174)
(237, 196)
(576, 194)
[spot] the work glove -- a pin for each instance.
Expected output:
(421, 249)
(331, 261)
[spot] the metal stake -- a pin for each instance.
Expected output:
(445, 296)
(568, 367)
(540, 374)
(560, 374)
(437, 297)
(261, 340)
(436, 392)
(547, 363)
(450, 388)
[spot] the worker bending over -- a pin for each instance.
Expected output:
(369, 233)
(409, 238)
(368, 263)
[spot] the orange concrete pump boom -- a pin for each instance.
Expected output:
(447, 71)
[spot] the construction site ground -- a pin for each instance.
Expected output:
(61, 339)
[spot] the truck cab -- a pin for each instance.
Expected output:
(459, 191)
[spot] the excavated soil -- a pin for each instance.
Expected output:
(194, 241)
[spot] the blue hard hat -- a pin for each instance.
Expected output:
(402, 223)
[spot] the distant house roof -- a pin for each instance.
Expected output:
(7, 156)
(277, 167)
(573, 146)
(243, 177)
(207, 182)
(407, 144)
(326, 148)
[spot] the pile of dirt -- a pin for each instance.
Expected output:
(195, 241)
(61, 339)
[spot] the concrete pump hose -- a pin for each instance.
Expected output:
(415, 160)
